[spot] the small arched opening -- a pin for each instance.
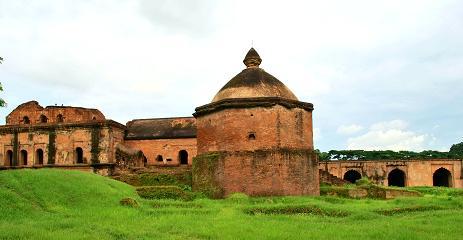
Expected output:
(396, 178)
(26, 120)
(159, 158)
(23, 155)
(43, 119)
(9, 158)
(251, 136)
(352, 176)
(59, 118)
(183, 157)
(442, 178)
(145, 161)
(39, 156)
(79, 155)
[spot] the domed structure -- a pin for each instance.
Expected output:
(255, 137)
(253, 82)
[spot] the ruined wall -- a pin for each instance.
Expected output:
(167, 148)
(417, 172)
(34, 113)
(59, 144)
(257, 173)
(276, 126)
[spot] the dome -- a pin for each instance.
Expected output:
(253, 82)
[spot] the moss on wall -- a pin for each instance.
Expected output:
(204, 172)
(95, 144)
(51, 147)
(15, 149)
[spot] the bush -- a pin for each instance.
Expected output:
(164, 192)
(129, 202)
(298, 209)
(363, 181)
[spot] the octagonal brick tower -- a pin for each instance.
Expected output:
(255, 137)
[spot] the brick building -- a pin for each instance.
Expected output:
(254, 137)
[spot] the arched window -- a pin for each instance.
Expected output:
(59, 118)
(39, 156)
(9, 158)
(23, 157)
(442, 178)
(43, 119)
(252, 136)
(183, 157)
(159, 158)
(26, 120)
(396, 178)
(79, 155)
(352, 176)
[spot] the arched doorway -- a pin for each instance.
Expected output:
(352, 176)
(39, 156)
(23, 157)
(43, 119)
(79, 155)
(145, 161)
(59, 118)
(9, 158)
(26, 120)
(442, 178)
(159, 158)
(396, 178)
(183, 157)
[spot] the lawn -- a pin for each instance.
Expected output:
(59, 204)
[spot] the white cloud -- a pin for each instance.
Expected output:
(349, 129)
(391, 135)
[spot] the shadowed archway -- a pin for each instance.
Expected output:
(396, 178)
(442, 178)
(352, 176)
(183, 157)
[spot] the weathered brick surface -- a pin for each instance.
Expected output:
(33, 111)
(277, 126)
(273, 172)
(417, 172)
(167, 148)
(66, 140)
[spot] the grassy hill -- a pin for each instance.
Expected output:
(59, 204)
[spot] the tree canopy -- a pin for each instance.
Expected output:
(387, 154)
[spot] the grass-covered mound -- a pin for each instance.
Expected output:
(63, 204)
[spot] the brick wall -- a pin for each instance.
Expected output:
(277, 126)
(167, 148)
(257, 173)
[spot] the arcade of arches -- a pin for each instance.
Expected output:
(428, 172)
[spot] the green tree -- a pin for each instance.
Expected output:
(457, 148)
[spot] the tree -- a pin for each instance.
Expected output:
(457, 148)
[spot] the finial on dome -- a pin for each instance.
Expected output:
(252, 59)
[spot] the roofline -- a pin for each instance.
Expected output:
(158, 138)
(235, 103)
(49, 126)
(163, 118)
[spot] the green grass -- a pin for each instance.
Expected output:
(57, 204)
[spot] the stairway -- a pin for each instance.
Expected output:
(328, 178)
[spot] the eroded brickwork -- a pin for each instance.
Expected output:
(415, 172)
(32, 113)
(248, 129)
(166, 152)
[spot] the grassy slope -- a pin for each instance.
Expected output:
(54, 204)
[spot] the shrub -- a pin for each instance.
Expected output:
(129, 202)
(298, 209)
(164, 192)
(363, 181)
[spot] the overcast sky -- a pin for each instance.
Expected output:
(381, 74)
